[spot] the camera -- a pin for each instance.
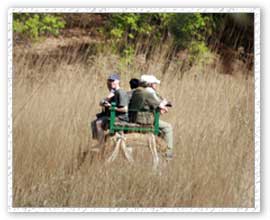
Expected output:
(103, 102)
(169, 104)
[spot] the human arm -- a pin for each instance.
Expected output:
(121, 99)
(155, 103)
(121, 109)
(105, 102)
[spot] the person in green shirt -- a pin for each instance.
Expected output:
(145, 99)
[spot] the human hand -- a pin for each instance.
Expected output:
(107, 104)
(164, 110)
(111, 94)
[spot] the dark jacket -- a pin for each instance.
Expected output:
(141, 106)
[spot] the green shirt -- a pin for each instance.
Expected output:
(141, 104)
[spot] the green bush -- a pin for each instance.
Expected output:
(34, 25)
(198, 51)
(187, 28)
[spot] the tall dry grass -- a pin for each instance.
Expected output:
(53, 104)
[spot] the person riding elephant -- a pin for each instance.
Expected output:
(144, 100)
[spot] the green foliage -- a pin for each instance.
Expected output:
(124, 29)
(51, 24)
(33, 26)
(198, 51)
(129, 25)
(187, 28)
(190, 31)
(130, 33)
(128, 55)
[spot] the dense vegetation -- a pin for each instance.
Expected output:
(195, 32)
(33, 26)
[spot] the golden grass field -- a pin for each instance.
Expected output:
(54, 102)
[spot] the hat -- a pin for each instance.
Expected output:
(149, 79)
(114, 76)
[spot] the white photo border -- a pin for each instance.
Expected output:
(257, 179)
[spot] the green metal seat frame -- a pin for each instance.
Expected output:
(114, 128)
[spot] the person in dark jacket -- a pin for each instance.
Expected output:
(134, 84)
(145, 99)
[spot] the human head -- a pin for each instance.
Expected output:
(134, 83)
(114, 81)
(150, 80)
